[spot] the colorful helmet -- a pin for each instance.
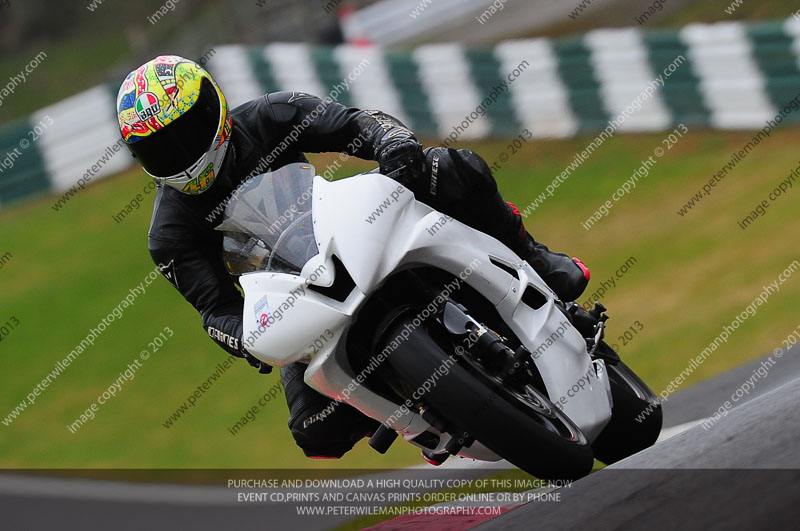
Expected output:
(174, 119)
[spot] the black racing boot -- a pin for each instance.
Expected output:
(566, 276)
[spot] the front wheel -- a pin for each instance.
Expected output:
(635, 418)
(519, 424)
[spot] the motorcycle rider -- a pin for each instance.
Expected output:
(175, 120)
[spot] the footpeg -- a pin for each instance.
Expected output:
(597, 311)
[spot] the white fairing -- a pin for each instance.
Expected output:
(371, 247)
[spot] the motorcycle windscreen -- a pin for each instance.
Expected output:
(268, 222)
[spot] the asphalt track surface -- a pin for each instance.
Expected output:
(64, 504)
(741, 473)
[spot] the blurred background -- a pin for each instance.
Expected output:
(696, 80)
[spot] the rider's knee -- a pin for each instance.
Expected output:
(316, 448)
(459, 172)
(477, 171)
(329, 432)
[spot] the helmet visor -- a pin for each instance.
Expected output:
(181, 143)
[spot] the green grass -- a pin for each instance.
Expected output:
(55, 79)
(101, 46)
(695, 273)
(70, 269)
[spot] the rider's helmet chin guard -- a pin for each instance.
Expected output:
(174, 119)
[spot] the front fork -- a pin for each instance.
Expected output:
(484, 344)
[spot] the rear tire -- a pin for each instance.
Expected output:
(470, 402)
(624, 435)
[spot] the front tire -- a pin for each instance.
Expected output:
(546, 445)
(636, 417)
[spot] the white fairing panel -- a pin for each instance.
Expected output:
(293, 313)
(360, 222)
(375, 227)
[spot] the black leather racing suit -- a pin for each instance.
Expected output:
(270, 132)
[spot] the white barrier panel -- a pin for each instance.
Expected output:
(370, 84)
(293, 68)
(730, 81)
(620, 62)
(540, 98)
(82, 138)
(445, 76)
(231, 69)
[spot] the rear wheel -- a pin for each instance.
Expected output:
(514, 420)
(635, 418)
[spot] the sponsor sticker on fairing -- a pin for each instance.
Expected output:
(261, 311)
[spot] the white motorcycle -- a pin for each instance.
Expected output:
(438, 331)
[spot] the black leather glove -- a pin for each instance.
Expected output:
(404, 155)
(263, 368)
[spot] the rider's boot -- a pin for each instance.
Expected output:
(566, 276)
